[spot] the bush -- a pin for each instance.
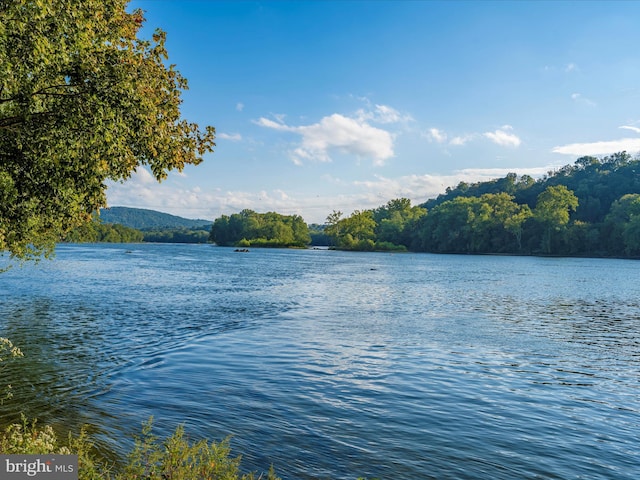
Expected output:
(8, 351)
(174, 459)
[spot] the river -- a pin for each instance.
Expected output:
(334, 365)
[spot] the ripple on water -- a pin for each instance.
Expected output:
(336, 365)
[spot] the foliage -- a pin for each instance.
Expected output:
(580, 209)
(623, 224)
(176, 235)
(82, 100)
(176, 458)
(552, 211)
(270, 229)
(27, 438)
(98, 232)
(8, 352)
(387, 228)
(318, 235)
(511, 221)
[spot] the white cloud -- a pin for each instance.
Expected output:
(571, 67)
(602, 147)
(234, 137)
(239, 106)
(503, 137)
(198, 202)
(599, 148)
(462, 139)
(385, 114)
(436, 135)
(265, 122)
(382, 114)
(420, 188)
(143, 176)
(354, 136)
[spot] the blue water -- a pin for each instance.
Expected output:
(334, 365)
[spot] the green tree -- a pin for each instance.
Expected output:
(448, 226)
(395, 220)
(260, 229)
(621, 225)
(498, 221)
(332, 227)
(357, 231)
(82, 100)
(552, 211)
(515, 221)
(631, 236)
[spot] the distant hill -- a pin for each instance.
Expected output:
(143, 219)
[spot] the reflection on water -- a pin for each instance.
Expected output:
(335, 365)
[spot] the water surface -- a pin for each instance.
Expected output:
(337, 365)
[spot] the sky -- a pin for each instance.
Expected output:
(344, 105)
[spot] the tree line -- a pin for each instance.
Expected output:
(590, 208)
(98, 232)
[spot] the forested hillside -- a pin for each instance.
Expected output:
(143, 219)
(126, 225)
(589, 208)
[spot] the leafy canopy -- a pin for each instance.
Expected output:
(82, 100)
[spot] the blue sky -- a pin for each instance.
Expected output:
(345, 105)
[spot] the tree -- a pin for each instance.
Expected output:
(394, 220)
(270, 229)
(621, 225)
(552, 211)
(355, 232)
(513, 223)
(82, 100)
(332, 228)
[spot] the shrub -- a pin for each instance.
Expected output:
(8, 351)
(174, 459)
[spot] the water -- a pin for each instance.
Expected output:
(334, 365)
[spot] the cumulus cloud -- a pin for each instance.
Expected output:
(503, 137)
(339, 133)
